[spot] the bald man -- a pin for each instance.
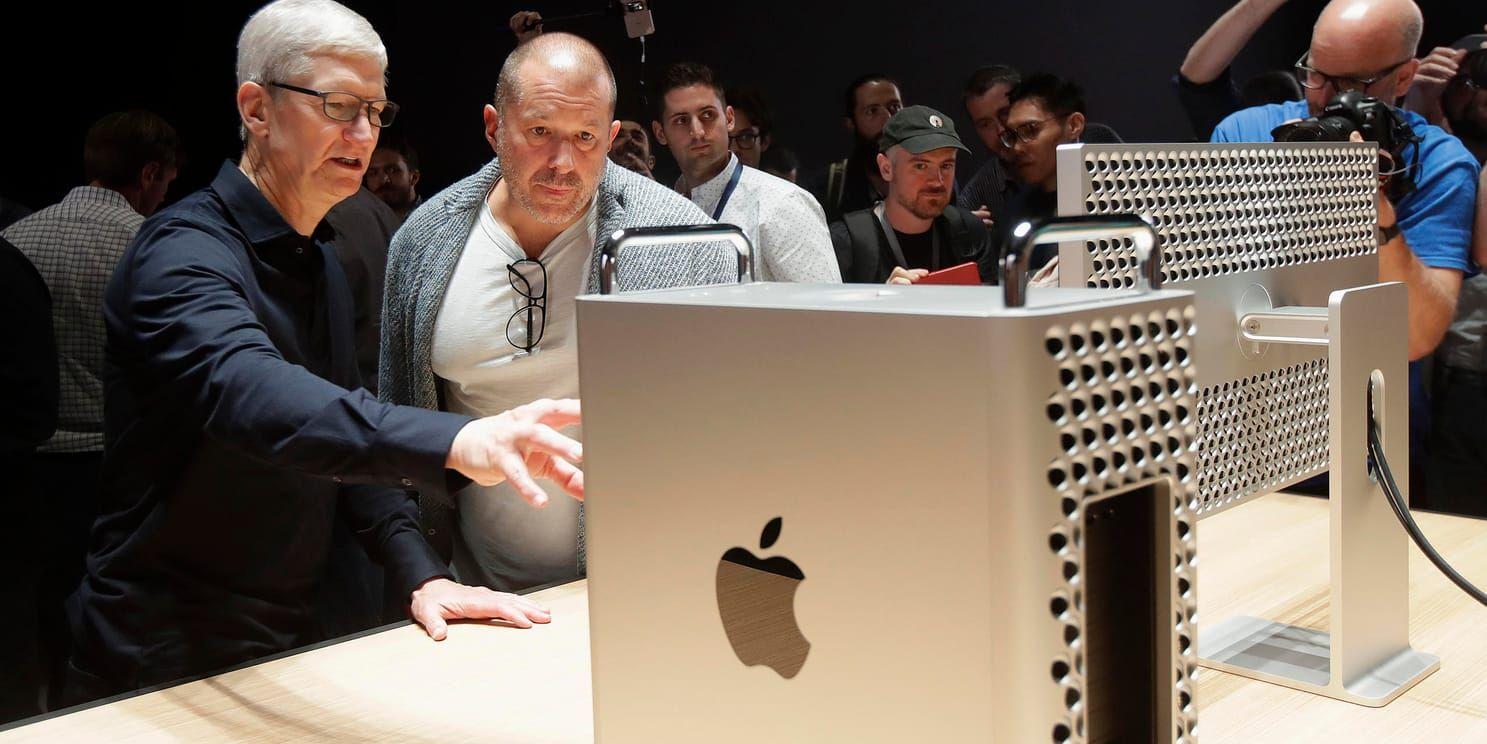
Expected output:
(481, 282)
(1369, 45)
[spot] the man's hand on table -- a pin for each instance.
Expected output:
(439, 600)
(522, 445)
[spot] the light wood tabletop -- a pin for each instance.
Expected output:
(498, 684)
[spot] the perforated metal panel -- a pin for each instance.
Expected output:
(1124, 413)
(1247, 227)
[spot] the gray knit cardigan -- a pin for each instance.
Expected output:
(421, 261)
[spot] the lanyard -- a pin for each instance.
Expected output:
(728, 191)
(898, 253)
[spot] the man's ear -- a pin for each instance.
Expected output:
(659, 132)
(614, 130)
(1406, 79)
(413, 177)
(150, 174)
(850, 125)
(492, 125)
(254, 104)
(764, 144)
(1076, 126)
(885, 167)
(650, 161)
(728, 118)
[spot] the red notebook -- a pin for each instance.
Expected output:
(965, 273)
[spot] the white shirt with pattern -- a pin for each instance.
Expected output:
(783, 222)
(75, 245)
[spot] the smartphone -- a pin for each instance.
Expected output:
(638, 21)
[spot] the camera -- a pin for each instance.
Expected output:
(1352, 111)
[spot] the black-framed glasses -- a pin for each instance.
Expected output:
(748, 139)
(343, 106)
(1314, 79)
(530, 320)
(1025, 132)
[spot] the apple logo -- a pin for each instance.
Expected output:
(756, 599)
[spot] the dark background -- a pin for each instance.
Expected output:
(177, 59)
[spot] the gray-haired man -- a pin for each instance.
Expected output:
(481, 283)
(237, 433)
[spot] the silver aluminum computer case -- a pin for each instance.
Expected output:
(935, 458)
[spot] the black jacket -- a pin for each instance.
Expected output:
(864, 256)
(234, 430)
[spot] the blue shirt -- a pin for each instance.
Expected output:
(1436, 217)
(235, 428)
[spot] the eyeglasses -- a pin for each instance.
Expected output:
(1025, 132)
(532, 316)
(1314, 79)
(748, 139)
(345, 106)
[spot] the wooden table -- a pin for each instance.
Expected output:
(496, 684)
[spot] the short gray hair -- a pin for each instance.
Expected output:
(279, 42)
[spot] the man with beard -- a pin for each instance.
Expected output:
(393, 176)
(481, 283)
(986, 103)
(915, 230)
(632, 149)
(781, 220)
(854, 183)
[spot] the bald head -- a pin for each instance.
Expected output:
(1356, 41)
(1391, 28)
(557, 59)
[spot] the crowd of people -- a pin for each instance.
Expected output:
(318, 395)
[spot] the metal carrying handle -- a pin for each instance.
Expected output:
(609, 255)
(1085, 227)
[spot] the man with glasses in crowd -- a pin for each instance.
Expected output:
(1369, 46)
(782, 221)
(753, 125)
(235, 427)
(1043, 112)
(481, 282)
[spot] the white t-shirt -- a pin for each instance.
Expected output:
(502, 542)
(784, 223)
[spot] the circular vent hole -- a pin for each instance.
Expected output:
(1057, 542)
(1060, 670)
(1055, 346)
(1058, 606)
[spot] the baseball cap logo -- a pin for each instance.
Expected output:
(936, 121)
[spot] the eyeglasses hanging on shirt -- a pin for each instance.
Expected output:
(530, 320)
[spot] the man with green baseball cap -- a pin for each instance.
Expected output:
(916, 229)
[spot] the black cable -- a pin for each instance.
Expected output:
(1391, 490)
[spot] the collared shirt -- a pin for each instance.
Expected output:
(782, 221)
(75, 244)
(234, 426)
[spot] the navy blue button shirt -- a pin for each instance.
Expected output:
(236, 430)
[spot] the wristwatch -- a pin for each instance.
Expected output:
(1388, 233)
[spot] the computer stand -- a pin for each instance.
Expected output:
(1366, 657)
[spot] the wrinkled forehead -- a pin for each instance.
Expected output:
(549, 85)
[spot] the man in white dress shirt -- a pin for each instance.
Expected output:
(782, 220)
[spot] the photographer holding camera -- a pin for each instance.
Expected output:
(1368, 46)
